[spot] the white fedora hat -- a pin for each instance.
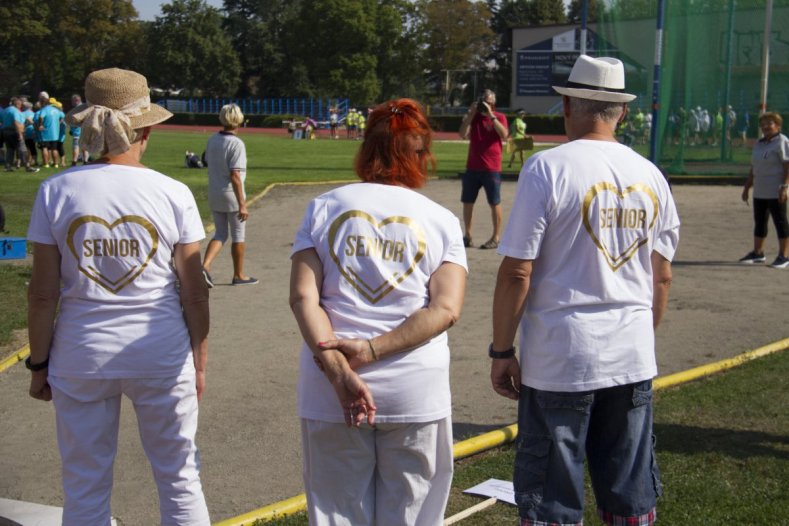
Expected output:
(597, 79)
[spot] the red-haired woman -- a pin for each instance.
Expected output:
(378, 276)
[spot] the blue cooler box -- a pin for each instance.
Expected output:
(13, 248)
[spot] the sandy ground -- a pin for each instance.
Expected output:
(249, 434)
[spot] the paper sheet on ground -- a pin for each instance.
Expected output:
(501, 489)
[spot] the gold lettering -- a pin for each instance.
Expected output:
(109, 247)
(623, 218)
(349, 241)
(112, 248)
(398, 251)
(361, 246)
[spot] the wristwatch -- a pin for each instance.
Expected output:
(500, 355)
(36, 366)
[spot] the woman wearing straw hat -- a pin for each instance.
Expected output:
(111, 240)
(378, 276)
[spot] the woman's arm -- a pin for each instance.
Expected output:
(447, 289)
(306, 282)
(238, 189)
(43, 295)
(194, 299)
(747, 186)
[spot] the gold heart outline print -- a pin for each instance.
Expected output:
(116, 285)
(616, 262)
(375, 294)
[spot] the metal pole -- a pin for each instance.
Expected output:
(584, 17)
(653, 135)
(768, 18)
(727, 84)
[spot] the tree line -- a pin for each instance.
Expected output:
(367, 50)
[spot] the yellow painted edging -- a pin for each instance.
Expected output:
(15, 358)
(507, 434)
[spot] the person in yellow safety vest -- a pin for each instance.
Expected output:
(361, 122)
(350, 123)
(518, 137)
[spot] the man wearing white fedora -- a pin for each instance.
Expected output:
(586, 274)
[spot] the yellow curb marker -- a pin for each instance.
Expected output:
(15, 358)
(507, 434)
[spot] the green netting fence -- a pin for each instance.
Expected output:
(711, 76)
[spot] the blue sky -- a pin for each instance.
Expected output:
(149, 9)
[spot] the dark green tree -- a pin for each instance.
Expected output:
(334, 45)
(53, 45)
(544, 12)
(456, 36)
(189, 49)
(259, 31)
(574, 11)
(399, 53)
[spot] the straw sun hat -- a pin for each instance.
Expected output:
(117, 102)
(600, 79)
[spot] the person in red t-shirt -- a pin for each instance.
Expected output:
(485, 128)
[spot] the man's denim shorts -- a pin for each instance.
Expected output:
(473, 180)
(612, 427)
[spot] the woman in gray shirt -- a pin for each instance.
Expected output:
(769, 177)
(226, 157)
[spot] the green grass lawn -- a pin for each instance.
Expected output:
(722, 447)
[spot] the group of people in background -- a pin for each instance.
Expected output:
(701, 127)
(32, 128)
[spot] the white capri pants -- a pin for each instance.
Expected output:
(87, 414)
(387, 474)
(225, 220)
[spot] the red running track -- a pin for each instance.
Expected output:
(324, 134)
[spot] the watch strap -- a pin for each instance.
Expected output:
(36, 366)
(500, 355)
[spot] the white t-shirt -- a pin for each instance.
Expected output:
(116, 228)
(379, 246)
(767, 162)
(589, 213)
(224, 153)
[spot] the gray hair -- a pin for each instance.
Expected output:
(597, 110)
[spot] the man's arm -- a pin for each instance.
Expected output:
(194, 300)
(509, 300)
(661, 283)
(465, 124)
(500, 127)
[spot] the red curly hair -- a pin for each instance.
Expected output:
(386, 156)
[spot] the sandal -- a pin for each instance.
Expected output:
(466, 241)
(490, 244)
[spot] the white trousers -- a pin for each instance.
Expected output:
(385, 475)
(87, 413)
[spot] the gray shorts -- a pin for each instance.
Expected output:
(224, 221)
